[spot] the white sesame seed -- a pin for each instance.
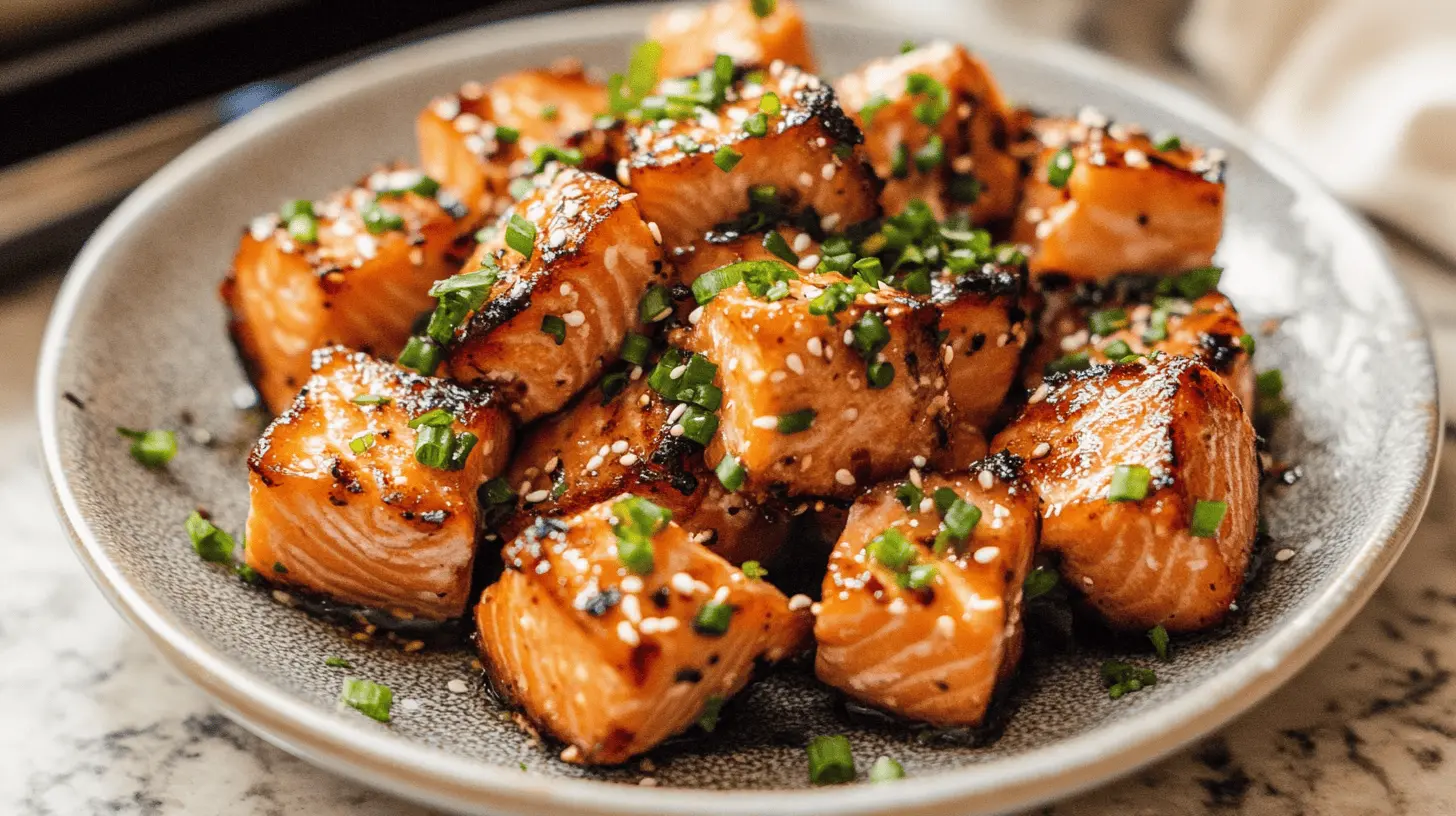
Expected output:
(624, 172)
(806, 180)
(677, 412)
(628, 459)
(829, 222)
(808, 262)
(945, 625)
(627, 634)
(558, 237)
(677, 373)
(695, 316)
(827, 171)
(795, 364)
(620, 446)
(915, 477)
(566, 289)
(467, 123)
(986, 479)
(1284, 554)
(986, 555)
(1039, 394)
(594, 463)
(848, 337)
(682, 583)
(850, 414)
(802, 242)
(919, 461)
(757, 376)
(1041, 449)
(927, 504)
(949, 353)
(656, 232)
(767, 423)
(632, 608)
(458, 686)
(676, 430)
(574, 318)
(536, 496)
(843, 476)
(1135, 158)
(815, 346)
(1087, 579)
(570, 754)
(800, 602)
(632, 584)
(898, 606)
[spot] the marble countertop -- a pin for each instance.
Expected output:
(95, 723)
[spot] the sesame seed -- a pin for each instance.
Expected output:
(1039, 394)
(808, 262)
(829, 222)
(1284, 554)
(1041, 449)
(594, 463)
(624, 172)
(949, 353)
(628, 459)
(986, 555)
(802, 242)
(1135, 158)
(945, 625)
(915, 477)
(682, 583)
(632, 608)
(695, 315)
(848, 337)
(850, 414)
(632, 584)
(551, 464)
(566, 289)
(677, 373)
(656, 232)
(898, 606)
(806, 180)
(558, 237)
(842, 476)
(574, 318)
(815, 346)
(927, 504)
(919, 461)
(536, 496)
(800, 602)
(458, 686)
(795, 364)
(827, 171)
(677, 412)
(627, 634)
(767, 423)
(620, 446)
(1087, 579)
(986, 479)
(570, 754)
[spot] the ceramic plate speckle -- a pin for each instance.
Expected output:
(137, 339)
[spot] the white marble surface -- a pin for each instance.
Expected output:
(95, 723)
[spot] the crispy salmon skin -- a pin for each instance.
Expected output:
(613, 630)
(343, 506)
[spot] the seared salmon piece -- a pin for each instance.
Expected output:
(824, 391)
(693, 36)
(476, 140)
(1150, 484)
(937, 130)
(603, 446)
(1104, 200)
(343, 502)
(354, 269)
(1099, 324)
(985, 324)
(613, 630)
(553, 320)
(921, 611)
(701, 172)
(719, 249)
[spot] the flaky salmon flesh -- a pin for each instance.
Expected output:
(612, 659)
(692, 37)
(555, 319)
(1104, 200)
(603, 446)
(476, 140)
(916, 621)
(355, 270)
(342, 507)
(1166, 541)
(937, 130)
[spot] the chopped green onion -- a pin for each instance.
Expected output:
(521, 235)
(909, 495)
(421, 354)
(886, 769)
(964, 189)
(756, 125)
(769, 103)
(1269, 384)
(378, 220)
(712, 707)
(1246, 342)
(498, 491)
(209, 542)
(303, 228)
(764, 8)
(931, 155)
(892, 549)
(919, 576)
(555, 327)
(1207, 516)
(1039, 582)
(1118, 350)
(727, 158)
(900, 161)
(507, 135)
(636, 348)
(1107, 321)
(279, 568)
(626, 92)
(906, 46)
(293, 209)
(775, 244)
(1121, 678)
(831, 762)
(655, 305)
(1075, 361)
(753, 571)
(699, 425)
(1195, 283)
(1159, 637)
(958, 518)
(879, 374)
(1129, 483)
(936, 104)
(713, 618)
(1059, 169)
(548, 153)
(1157, 330)
(460, 451)
(1166, 142)
(550, 112)
(432, 445)
(637, 521)
(368, 698)
(521, 187)
(361, 443)
(868, 335)
(338, 663)
(707, 285)
(687, 144)
(731, 473)
(835, 298)
(153, 449)
(371, 399)
(437, 418)
(796, 422)
(875, 104)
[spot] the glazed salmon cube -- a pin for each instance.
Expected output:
(821, 400)
(354, 269)
(1150, 484)
(554, 319)
(704, 170)
(351, 502)
(604, 445)
(1104, 200)
(692, 37)
(476, 140)
(922, 602)
(613, 630)
(937, 130)
(784, 242)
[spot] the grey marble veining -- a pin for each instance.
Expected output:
(95, 723)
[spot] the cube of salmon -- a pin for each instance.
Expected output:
(921, 610)
(824, 391)
(785, 242)
(937, 130)
(613, 630)
(604, 445)
(726, 156)
(476, 140)
(364, 490)
(354, 269)
(1104, 200)
(554, 318)
(692, 37)
(1150, 486)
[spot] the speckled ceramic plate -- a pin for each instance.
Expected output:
(137, 339)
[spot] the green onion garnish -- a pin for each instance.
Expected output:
(520, 188)
(1107, 321)
(368, 698)
(279, 568)
(507, 135)
(764, 8)
(655, 305)
(1157, 330)
(1076, 361)
(303, 228)
(521, 235)
(293, 209)
(707, 285)
(555, 327)
(1121, 678)
(1269, 384)
(1246, 342)
(210, 543)
(879, 374)
(712, 707)
(1207, 516)
(835, 298)
(436, 418)
(731, 473)
(795, 422)
(548, 153)
(831, 762)
(1059, 169)
(892, 549)
(909, 495)
(497, 491)
(1129, 483)
(931, 155)
(713, 618)
(1166, 142)
(958, 518)
(638, 520)
(964, 189)
(636, 348)
(626, 92)
(635, 554)
(769, 103)
(753, 571)
(1195, 283)
(153, 449)
(875, 104)
(460, 451)
(886, 769)
(756, 125)
(1159, 638)
(550, 112)
(918, 576)
(337, 663)
(687, 144)
(421, 354)
(727, 158)
(361, 443)
(775, 244)
(698, 424)
(900, 161)
(933, 108)
(432, 446)
(378, 220)
(869, 335)
(1039, 582)
(1118, 350)
(371, 399)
